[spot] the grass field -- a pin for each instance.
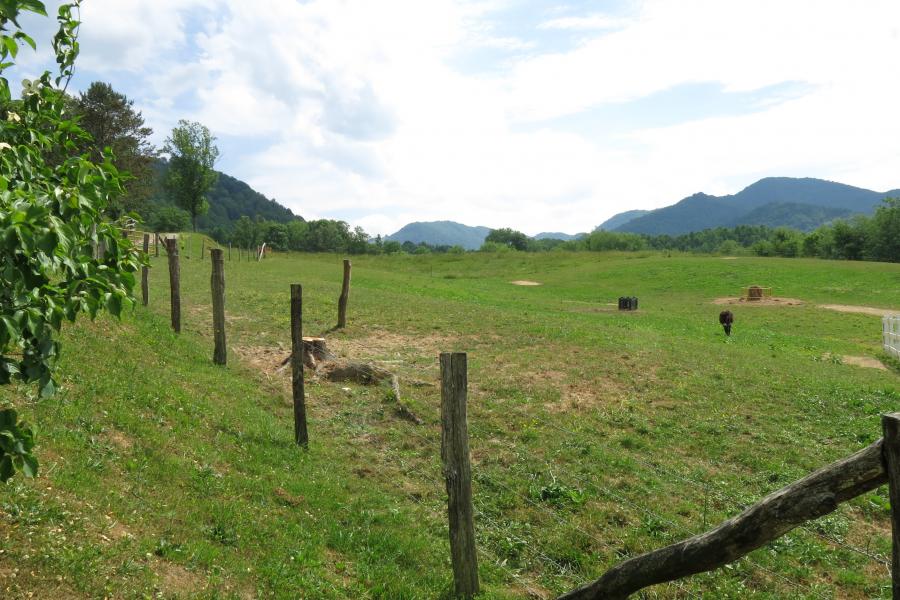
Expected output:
(595, 434)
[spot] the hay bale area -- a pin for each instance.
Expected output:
(755, 293)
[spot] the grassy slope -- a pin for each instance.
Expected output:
(595, 434)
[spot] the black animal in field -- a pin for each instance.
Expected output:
(726, 319)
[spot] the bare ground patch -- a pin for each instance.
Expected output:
(525, 282)
(175, 579)
(119, 439)
(859, 361)
(265, 359)
(772, 301)
(862, 310)
(389, 346)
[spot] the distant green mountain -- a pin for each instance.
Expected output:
(557, 235)
(804, 217)
(229, 200)
(441, 233)
(620, 219)
(775, 200)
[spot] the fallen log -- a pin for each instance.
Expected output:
(809, 498)
(369, 374)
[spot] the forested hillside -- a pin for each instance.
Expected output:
(229, 200)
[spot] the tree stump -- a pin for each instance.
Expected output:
(315, 351)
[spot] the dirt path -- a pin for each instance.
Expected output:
(863, 310)
(771, 301)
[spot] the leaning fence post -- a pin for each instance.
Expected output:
(890, 425)
(345, 295)
(300, 434)
(145, 272)
(217, 283)
(458, 473)
(174, 283)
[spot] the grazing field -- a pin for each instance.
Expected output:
(595, 434)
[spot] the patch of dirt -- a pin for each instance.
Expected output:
(771, 301)
(728, 257)
(528, 589)
(176, 580)
(859, 361)
(389, 345)
(287, 498)
(119, 439)
(266, 359)
(863, 310)
(525, 282)
(578, 395)
(117, 531)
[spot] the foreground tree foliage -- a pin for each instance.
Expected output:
(52, 201)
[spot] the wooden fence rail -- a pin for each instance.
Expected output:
(809, 498)
(890, 335)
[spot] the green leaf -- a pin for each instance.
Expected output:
(6, 468)
(29, 465)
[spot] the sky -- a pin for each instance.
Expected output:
(541, 116)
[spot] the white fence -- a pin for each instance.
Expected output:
(890, 335)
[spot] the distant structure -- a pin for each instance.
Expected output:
(726, 319)
(755, 293)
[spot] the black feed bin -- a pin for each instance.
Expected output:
(628, 303)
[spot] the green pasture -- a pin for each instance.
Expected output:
(595, 434)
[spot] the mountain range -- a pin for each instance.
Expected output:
(801, 203)
(441, 233)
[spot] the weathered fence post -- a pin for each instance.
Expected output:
(145, 272)
(217, 283)
(229, 251)
(202, 248)
(174, 283)
(458, 472)
(300, 434)
(345, 295)
(890, 425)
(156, 244)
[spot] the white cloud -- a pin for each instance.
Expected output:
(359, 108)
(593, 22)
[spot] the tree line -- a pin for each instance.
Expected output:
(875, 237)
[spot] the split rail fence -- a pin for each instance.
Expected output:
(782, 511)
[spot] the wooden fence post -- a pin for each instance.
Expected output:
(300, 433)
(217, 283)
(202, 248)
(174, 283)
(145, 272)
(458, 473)
(156, 244)
(890, 425)
(345, 295)
(229, 251)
